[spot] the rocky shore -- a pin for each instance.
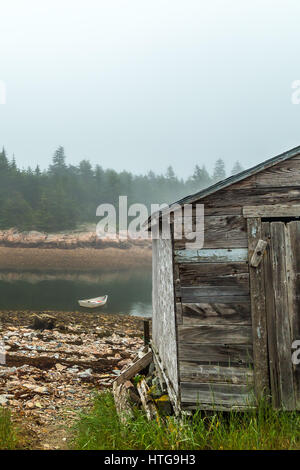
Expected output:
(53, 363)
(70, 240)
(74, 251)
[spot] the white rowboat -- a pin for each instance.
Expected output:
(93, 303)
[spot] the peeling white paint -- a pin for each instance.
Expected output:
(218, 255)
(253, 231)
(258, 332)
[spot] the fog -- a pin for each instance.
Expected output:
(140, 85)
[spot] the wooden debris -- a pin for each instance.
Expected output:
(47, 362)
(147, 402)
(122, 400)
(161, 374)
(135, 368)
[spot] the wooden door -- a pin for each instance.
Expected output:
(281, 275)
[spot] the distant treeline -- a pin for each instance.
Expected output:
(64, 196)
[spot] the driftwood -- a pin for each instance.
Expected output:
(148, 405)
(135, 368)
(122, 400)
(123, 387)
(141, 353)
(45, 362)
(162, 374)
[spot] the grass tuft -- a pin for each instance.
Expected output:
(261, 429)
(8, 438)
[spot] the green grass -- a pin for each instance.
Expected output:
(265, 428)
(8, 435)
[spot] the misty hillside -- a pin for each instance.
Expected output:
(64, 196)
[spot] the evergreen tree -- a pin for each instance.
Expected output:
(58, 166)
(85, 169)
(219, 171)
(4, 165)
(237, 168)
(13, 165)
(4, 177)
(65, 195)
(37, 171)
(200, 178)
(16, 212)
(170, 174)
(55, 212)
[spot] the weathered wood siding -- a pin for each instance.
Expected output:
(277, 185)
(215, 337)
(228, 231)
(164, 323)
(225, 226)
(282, 309)
(215, 331)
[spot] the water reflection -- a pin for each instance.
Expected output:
(129, 291)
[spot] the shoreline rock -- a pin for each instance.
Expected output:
(33, 239)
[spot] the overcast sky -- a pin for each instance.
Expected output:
(142, 84)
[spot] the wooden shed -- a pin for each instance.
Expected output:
(225, 317)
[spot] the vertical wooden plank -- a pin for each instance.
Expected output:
(164, 332)
(271, 324)
(179, 313)
(177, 310)
(146, 332)
(177, 284)
(258, 312)
(155, 292)
(292, 262)
(280, 251)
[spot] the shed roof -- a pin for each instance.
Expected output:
(228, 182)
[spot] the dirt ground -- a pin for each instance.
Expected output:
(50, 375)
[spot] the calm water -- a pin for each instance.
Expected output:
(129, 292)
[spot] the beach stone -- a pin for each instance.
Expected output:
(28, 335)
(103, 333)
(86, 374)
(45, 391)
(43, 322)
(3, 400)
(8, 371)
(12, 333)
